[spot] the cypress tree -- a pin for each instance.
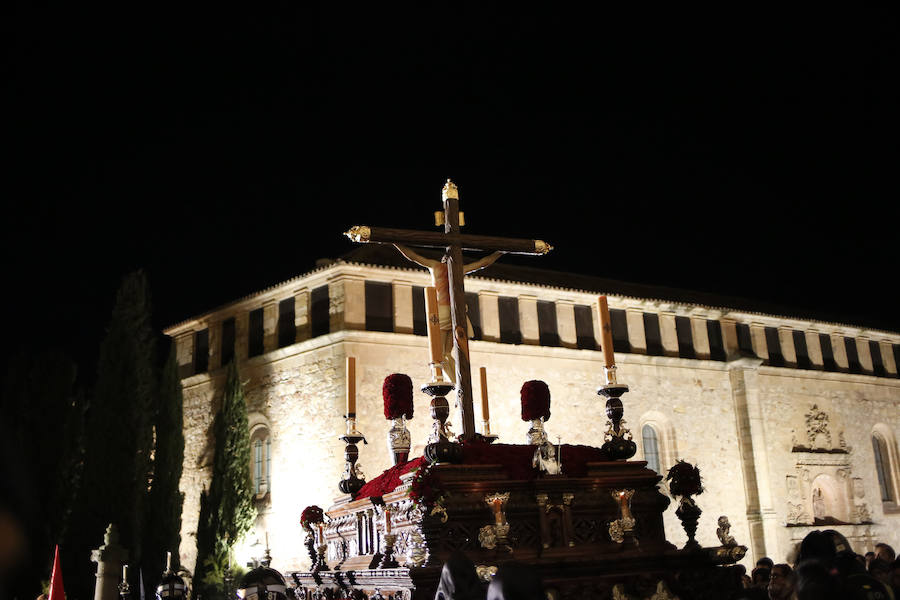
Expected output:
(227, 511)
(165, 500)
(118, 433)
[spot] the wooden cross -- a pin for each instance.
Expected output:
(454, 243)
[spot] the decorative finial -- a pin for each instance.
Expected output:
(542, 247)
(449, 191)
(359, 233)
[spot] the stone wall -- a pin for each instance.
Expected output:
(738, 420)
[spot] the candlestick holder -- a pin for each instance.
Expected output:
(622, 529)
(352, 480)
(618, 443)
(440, 449)
(321, 548)
(486, 435)
(496, 535)
(399, 440)
(388, 561)
(124, 590)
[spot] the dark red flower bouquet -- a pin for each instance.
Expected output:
(310, 516)
(425, 487)
(397, 392)
(684, 479)
(535, 400)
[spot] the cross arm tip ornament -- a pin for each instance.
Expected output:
(542, 247)
(449, 191)
(359, 233)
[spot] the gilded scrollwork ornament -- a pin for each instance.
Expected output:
(623, 527)
(485, 572)
(359, 233)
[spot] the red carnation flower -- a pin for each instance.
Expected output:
(535, 400)
(397, 392)
(311, 515)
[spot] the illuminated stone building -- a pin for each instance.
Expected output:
(793, 421)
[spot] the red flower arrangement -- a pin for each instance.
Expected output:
(310, 516)
(535, 400)
(425, 487)
(397, 392)
(684, 479)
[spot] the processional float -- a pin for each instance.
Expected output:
(586, 519)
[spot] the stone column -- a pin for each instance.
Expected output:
(839, 350)
(729, 338)
(270, 326)
(701, 335)
(347, 304)
(668, 333)
(241, 330)
(109, 558)
(565, 323)
(488, 306)
(758, 339)
(301, 314)
(864, 352)
(786, 340)
(814, 348)
(403, 307)
(528, 320)
(184, 350)
(887, 356)
(752, 443)
(636, 336)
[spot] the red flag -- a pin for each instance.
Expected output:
(56, 581)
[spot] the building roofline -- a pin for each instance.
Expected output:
(374, 256)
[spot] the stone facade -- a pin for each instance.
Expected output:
(777, 412)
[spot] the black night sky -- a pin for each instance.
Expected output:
(226, 149)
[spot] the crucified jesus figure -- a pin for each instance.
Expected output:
(440, 279)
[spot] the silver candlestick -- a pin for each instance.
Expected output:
(619, 443)
(352, 480)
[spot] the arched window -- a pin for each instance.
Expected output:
(651, 447)
(883, 468)
(658, 443)
(261, 460)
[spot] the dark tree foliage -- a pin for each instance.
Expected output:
(43, 418)
(165, 500)
(118, 439)
(227, 511)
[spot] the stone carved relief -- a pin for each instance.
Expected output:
(859, 490)
(817, 425)
(817, 434)
(818, 502)
(797, 513)
(822, 490)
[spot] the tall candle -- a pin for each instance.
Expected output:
(387, 520)
(124, 572)
(351, 386)
(434, 325)
(485, 411)
(498, 514)
(606, 332)
(168, 561)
